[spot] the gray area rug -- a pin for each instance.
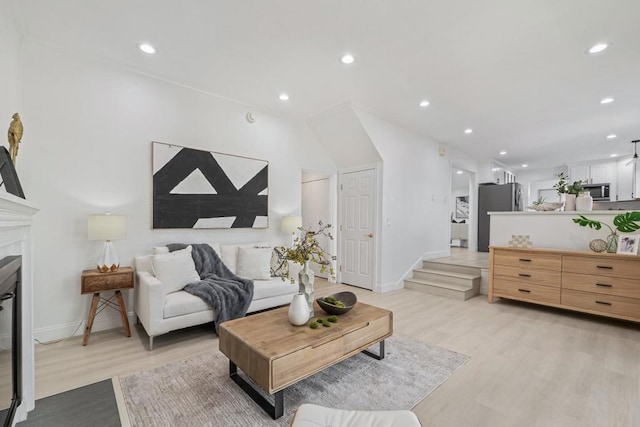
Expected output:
(198, 391)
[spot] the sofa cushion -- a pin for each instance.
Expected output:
(272, 288)
(159, 250)
(228, 255)
(254, 263)
(181, 303)
(175, 269)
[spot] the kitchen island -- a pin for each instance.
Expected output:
(553, 230)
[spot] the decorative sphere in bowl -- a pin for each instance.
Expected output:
(347, 298)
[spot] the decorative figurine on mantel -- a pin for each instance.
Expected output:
(15, 136)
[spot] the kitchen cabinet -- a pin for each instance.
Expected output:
(598, 173)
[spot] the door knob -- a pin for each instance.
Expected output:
(369, 235)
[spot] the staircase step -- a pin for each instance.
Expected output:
(450, 290)
(445, 276)
(441, 266)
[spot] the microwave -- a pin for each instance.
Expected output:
(599, 192)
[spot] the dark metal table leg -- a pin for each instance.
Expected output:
(376, 356)
(275, 411)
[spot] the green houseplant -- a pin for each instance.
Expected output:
(568, 190)
(627, 222)
(306, 249)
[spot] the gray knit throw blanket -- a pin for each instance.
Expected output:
(228, 294)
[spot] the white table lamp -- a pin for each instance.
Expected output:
(107, 227)
(291, 224)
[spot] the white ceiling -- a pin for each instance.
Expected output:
(514, 71)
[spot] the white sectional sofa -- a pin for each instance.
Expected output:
(161, 309)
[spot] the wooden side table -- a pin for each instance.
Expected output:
(94, 282)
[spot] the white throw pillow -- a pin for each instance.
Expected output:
(216, 247)
(157, 250)
(228, 255)
(254, 263)
(175, 269)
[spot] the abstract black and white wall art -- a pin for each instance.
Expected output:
(204, 189)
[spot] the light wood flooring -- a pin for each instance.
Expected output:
(530, 365)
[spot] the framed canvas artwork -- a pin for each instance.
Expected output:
(462, 207)
(204, 189)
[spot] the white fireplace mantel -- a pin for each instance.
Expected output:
(16, 217)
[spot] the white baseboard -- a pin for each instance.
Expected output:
(64, 331)
(388, 287)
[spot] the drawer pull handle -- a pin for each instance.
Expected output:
(524, 290)
(524, 275)
(606, 267)
(525, 260)
(603, 302)
(604, 285)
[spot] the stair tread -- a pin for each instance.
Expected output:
(451, 286)
(448, 273)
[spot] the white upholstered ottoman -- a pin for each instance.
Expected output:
(309, 415)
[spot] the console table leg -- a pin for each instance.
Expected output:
(275, 411)
(376, 356)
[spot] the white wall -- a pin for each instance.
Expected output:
(10, 94)
(415, 197)
(90, 127)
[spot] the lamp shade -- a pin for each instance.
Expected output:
(107, 227)
(290, 224)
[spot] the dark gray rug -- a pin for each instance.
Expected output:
(92, 405)
(198, 391)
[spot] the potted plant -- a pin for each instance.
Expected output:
(627, 222)
(306, 249)
(568, 191)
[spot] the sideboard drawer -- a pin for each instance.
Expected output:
(528, 260)
(525, 291)
(602, 266)
(529, 275)
(627, 307)
(618, 286)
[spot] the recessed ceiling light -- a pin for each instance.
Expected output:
(503, 153)
(467, 131)
(283, 97)
(525, 166)
(495, 169)
(424, 103)
(612, 136)
(459, 172)
(598, 48)
(613, 155)
(347, 59)
(606, 100)
(147, 48)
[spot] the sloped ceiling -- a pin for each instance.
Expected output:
(514, 71)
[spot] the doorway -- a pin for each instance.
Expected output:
(317, 205)
(462, 210)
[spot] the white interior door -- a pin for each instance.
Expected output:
(357, 198)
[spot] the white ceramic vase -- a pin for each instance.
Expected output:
(584, 202)
(305, 286)
(569, 202)
(298, 310)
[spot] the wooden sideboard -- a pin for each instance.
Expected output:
(596, 283)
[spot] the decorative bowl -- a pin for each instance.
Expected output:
(547, 206)
(348, 298)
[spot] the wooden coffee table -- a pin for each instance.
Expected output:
(276, 354)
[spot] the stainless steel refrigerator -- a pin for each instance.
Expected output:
(495, 198)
